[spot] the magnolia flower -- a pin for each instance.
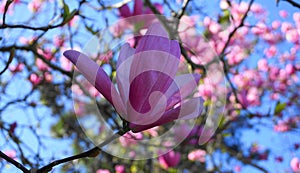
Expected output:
(170, 159)
(148, 92)
(138, 9)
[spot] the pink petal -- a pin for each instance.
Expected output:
(153, 68)
(157, 29)
(182, 87)
(96, 76)
(144, 85)
(124, 11)
(123, 71)
(188, 110)
(138, 7)
(125, 52)
(192, 108)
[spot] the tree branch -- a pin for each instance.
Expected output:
(11, 56)
(15, 163)
(222, 54)
(32, 49)
(90, 153)
(183, 8)
(42, 28)
(293, 3)
(238, 156)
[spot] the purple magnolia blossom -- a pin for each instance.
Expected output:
(148, 92)
(170, 159)
(138, 9)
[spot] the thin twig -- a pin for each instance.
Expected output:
(5, 10)
(90, 153)
(222, 54)
(183, 8)
(11, 56)
(293, 3)
(236, 154)
(15, 163)
(32, 49)
(42, 28)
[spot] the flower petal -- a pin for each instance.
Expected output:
(124, 11)
(157, 29)
(155, 64)
(188, 110)
(125, 52)
(182, 87)
(138, 7)
(96, 76)
(192, 108)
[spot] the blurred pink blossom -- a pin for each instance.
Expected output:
(170, 159)
(295, 164)
(237, 169)
(283, 13)
(11, 153)
(130, 138)
(103, 171)
(271, 51)
(35, 79)
(197, 155)
(281, 127)
(120, 169)
(35, 5)
(16, 68)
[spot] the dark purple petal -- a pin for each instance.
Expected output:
(96, 76)
(188, 110)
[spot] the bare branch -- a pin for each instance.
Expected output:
(222, 54)
(32, 49)
(183, 8)
(42, 28)
(5, 10)
(90, 153)
(293, 3)
(11, 56)
(240, 157)
(15, 163)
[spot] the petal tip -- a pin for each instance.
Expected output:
(72, 55)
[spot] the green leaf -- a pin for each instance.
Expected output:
(90, 29)
(279, 107)
(66, 11)
(221, 121)
(225, 19)
(70, 16)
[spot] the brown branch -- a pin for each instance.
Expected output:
(240, 157)
(42, 28)
(183, 8)
(222, 54)
(5, 10)
(15, 163)
(33, 49)
(293, 3)
(90, 153)
(11, 56)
